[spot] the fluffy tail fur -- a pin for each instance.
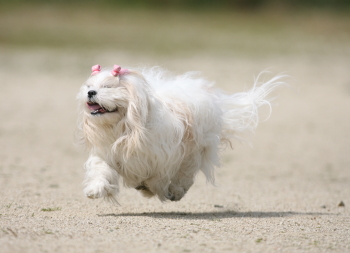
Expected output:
(240, 110)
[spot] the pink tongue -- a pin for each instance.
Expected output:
(94, 107)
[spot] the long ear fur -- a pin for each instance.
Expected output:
(83, 135)
(136, 114)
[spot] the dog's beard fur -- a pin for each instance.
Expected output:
(158, 131)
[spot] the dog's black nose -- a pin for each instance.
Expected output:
(91, 93)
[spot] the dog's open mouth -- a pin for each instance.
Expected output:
(97, 109)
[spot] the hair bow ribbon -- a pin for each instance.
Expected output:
(117, 70)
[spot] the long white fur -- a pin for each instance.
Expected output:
(166, 129)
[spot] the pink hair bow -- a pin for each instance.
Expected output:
(117, 70)
(95, 69)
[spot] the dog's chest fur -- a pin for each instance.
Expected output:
(150, 159)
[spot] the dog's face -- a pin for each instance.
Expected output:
(114, 102)
(104, 97)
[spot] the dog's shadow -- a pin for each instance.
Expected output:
(213, 215)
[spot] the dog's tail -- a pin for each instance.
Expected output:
(241, 110)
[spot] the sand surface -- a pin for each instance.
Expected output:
(281, 194)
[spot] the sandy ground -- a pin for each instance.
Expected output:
(280, 195)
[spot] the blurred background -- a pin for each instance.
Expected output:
(47, 49)
(176, 27)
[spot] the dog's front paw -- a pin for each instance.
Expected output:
(95, 189)
(100, 189)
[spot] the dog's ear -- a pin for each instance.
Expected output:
(136, 114)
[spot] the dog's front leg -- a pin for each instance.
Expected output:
(101, 180)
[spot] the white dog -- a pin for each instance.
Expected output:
(157, 131)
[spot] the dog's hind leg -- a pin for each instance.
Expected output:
(101, 180)
(184, 178)
(156, 186)
(203, 160)
(145, 191)
(180, 184)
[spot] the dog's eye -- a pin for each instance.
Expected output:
(106, 86)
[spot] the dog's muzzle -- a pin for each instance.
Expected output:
(95, 108)
(91, 93)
